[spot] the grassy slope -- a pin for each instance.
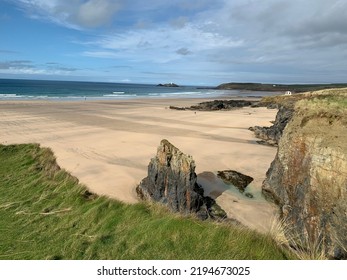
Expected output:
(46, 214)
(324, 100)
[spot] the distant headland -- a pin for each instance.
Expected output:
(278, 87)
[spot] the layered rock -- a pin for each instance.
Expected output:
(239, 180)
(272, 134)
(172, 181)
(308, 178)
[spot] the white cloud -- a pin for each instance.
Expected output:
(280, 23)
(94, 13)
(76, 14)
(161, 45)
(16, 64)
(28, 67)
(270, 38)
(293, 40)
(34, 71)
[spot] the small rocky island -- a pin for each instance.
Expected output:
(172, 181)
(168, 85)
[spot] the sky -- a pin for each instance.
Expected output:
(205, 42)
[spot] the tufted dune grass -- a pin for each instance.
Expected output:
(46, 214)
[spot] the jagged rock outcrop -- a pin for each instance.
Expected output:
(271, 135)
(172, 181)
(308, 178)
(239, 180)
(218, 105)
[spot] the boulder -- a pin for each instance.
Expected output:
(172, 181)
(239, 180)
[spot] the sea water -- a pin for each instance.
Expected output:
(14, 89)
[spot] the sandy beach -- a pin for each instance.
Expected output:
(107, 145)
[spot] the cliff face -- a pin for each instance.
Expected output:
(172, 181)
(308, 178)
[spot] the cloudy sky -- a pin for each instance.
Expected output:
(204, 42)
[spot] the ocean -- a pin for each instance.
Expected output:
(14, 89)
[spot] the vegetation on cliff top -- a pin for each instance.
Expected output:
(328, 101)
(278, 87)
(46, 214)
(319, 107)
(325, 100)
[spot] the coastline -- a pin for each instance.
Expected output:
(108, 144)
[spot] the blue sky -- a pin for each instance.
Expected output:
(205, 42)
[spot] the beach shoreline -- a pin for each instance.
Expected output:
(107, 144)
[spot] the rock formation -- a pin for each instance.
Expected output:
(218, 105)
(271, 135)
(308, 178)
(239, 180)
(172, 181)
(168, 85)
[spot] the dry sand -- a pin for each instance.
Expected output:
(107, 145)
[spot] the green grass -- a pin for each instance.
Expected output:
(46, 214)
(330, 103)
(329, 98)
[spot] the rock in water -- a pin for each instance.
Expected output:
(308, 180)
(167, 85)
(239, 180)
(172, 181)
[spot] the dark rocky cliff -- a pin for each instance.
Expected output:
(216, 105)
(172, 181)
(271, 135)
(308, 178)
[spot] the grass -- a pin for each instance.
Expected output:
(301, 246)
(46, 214)
(334, 105)
(328, 99)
